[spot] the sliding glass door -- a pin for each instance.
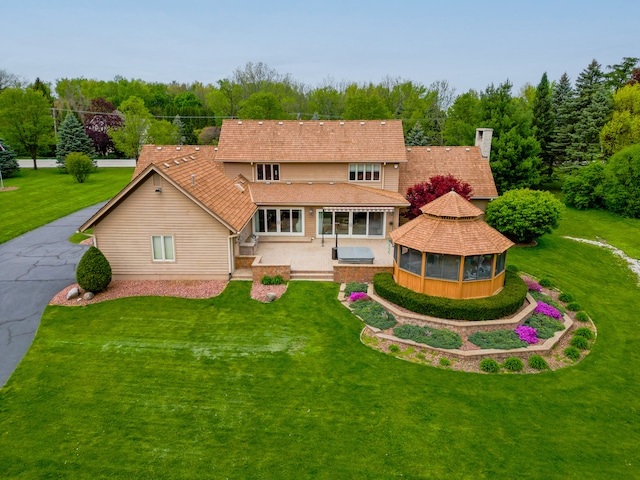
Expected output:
(351, 223)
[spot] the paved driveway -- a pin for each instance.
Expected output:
(33, 268)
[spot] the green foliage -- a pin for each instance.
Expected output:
(573, 353)
(524, 215)
(513, 364)
(546, 283)
(263, 106)
(437, 338)
(585, 188)
(444, 362)
(566, 297)
(130, 137)
(79, 166)
(489, 365)
(163, 132)
(393, 348)
(582, 316)
(351, 287)
(373, 314)
(624, 127)
(365, 104)
(544, 123)
(622, 182)
(8, 164)
(276, 280)
(72, 138)
(574, 306)
(580, 342)
(93, 272)
(416, 136)
(505, 303)
(562, 98)
(463, 118)
(513, 268)
(585, 332)
(499, 339)
(545, 326)
(543, 297)
(538, 363)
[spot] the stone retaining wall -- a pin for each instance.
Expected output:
(259, 270)
(244, 261)
(344, 273)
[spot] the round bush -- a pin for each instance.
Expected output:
(573, 306)
(513, 268)
(538, 363)
(393, 348)
(445, 362)
(94, 272)
(585, 332)
(582, 316)
(546, 283)
(79, 165)
(573, 353)
(580, 342)
(489, 365)
(513, 364)
(566, 297)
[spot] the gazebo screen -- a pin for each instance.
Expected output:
(446, 267)
(478, 267)
(411, 260)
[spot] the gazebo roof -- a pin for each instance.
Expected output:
(451, 225)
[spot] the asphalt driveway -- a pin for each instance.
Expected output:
(33, 268)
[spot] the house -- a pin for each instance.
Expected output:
(191, 211)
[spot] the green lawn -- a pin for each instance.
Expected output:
(45, 195)
(232, 388)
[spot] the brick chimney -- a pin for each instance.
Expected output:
(483, 140)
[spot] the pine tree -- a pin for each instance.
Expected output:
(179, 124)
(562, 100)
(72, 138)
(8, 163)
(416, 136)
(543, 123)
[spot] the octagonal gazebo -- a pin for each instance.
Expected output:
(449, 251)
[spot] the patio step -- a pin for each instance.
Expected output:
(320, 275)
(242, 274)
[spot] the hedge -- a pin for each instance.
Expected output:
(503, 304)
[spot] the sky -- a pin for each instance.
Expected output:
(470, 44)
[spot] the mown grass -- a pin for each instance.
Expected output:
(45, 195)
(228, 387)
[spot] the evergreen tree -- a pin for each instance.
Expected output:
(72, 138)
(8, 163)
(543, 123)
(179, 124)
(562, 100)
(416, 136)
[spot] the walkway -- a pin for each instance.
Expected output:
(35, 266)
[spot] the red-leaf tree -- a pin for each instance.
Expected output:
(423, 193)
(102, 116)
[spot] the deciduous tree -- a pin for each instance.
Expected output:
(624, 127)
(132, 135)
(622, 182)
(103, 115)
(263, 106)
(422, 193)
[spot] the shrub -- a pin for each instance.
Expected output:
(267, 280)
(523, 214)
(445, 362)
(354, 287)
(538, 363)
(582, 316)
(513, 268)
(622, 182)
(373, 314)
(513, 364)
(500, 339)
(79, 166)
(507, 302)
(393, 348)
(580, 342)
(437, 338)
(545, 326)
(574, 306)
(566, 297)
(489, 365)
(8, 163)
(546, 283)
(573, 353)
(584, 189)
(527, 333)
(94, 272)
(585, 332)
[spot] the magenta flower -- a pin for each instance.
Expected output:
(527, 334)
(357, 296)
(532, 285)
(548, 310)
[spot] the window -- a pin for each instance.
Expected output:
(162, 248)
(267, 171)
(446, 267)
(500, 261)
(278, 221)
(478, 267)
(357, 224)
(364, 172)
(411, 260)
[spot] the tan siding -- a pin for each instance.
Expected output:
(232, 170)
(124, 236)
(391, 177)
(314, 172)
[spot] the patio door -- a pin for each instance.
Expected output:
(351, 223)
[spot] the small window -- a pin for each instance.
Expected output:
(162, 248)
(500, 261)
(364, 172)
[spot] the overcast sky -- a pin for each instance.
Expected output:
(471, 44)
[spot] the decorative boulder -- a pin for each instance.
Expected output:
(271, 297)
(88, 295)
(73, 293)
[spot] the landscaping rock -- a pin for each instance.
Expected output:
(73, 293)
(88, 295)
(271, 296)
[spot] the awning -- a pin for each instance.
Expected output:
(358, 209)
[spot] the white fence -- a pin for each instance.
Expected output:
(51, 163)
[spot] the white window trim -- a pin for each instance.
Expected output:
(350, 234)
(373, 166)
(271, 165)
(164, 253)
(262, 210)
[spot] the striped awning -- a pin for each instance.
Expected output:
(357, 209)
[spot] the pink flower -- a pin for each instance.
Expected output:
(357, 296)
(548, 310)
(527, 334)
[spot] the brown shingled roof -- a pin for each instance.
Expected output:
(451, 205)
(311, 141)
(464, 163)
(159, 154)
(323, 194)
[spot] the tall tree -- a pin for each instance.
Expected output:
(130, 138)
(263, 106)
(624, 127)
(8, 80)
(163, 132)
(621, 73)
(437, 186)
(365, 104)
(72, 138)
(416, 136)
(562, 104)
(103, 115)
(543, 122)
(463, 117)
(25, 120)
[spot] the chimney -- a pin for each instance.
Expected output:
(483, 140)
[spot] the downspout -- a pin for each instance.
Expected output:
(231, 252)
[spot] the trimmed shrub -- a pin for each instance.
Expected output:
(500, 339)
(538, 363)
(445, 362)
(79, 166)
(546, 283)
(580, 342)
(513, 364)
(545, 326)
(566, 297)
(574, 306)
(393, 348)
(505, 303)
(582, 316)
(351, 287)
(373, 314)
(94, 272)
(267, 280)
(573, 353)
(513, 268)
(437, 338)
(585, 332)
(489, 365)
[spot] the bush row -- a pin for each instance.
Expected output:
(505, 303)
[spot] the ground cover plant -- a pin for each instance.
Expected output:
(46, 194)
(172, 388)
(372, 313)
(500, 339)
(434, 337)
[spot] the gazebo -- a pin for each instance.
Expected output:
(449, 251)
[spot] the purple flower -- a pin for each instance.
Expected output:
(532, 285)
(357, 296)
(548, 310)
(527, 334)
